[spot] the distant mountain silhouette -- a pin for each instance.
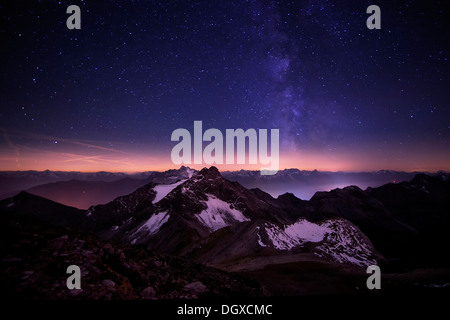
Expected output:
(82, 194)
(83, 189)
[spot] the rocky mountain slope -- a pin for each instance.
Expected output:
(203, 217)
(35, 257)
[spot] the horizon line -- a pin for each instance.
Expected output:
(249, 170)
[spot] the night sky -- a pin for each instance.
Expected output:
(108, 96)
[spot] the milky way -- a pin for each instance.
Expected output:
(109, 95)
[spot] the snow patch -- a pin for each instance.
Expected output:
(433, 285)
(219, 214)
(155, 222)
(163, 190)
(190, 172)
(346, 244)
(10, 204)
(259, 238)
(295, 234)
(306, 231)
(338, 240)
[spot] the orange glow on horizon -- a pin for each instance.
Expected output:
(135, 162)
(91, 156)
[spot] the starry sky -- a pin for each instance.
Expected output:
(108, 96)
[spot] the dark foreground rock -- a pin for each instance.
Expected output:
(35, 256)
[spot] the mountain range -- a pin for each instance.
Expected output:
(288, 245)
(81, 189)
(84, 189)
